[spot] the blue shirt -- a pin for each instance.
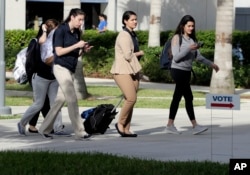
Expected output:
(102, 25)
(63, 37)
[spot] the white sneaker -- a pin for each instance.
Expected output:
(83, 136)
(199, 129)
(21, 129)
(62, 133)
(172, 130)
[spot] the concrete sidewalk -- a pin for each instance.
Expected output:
(228, 136)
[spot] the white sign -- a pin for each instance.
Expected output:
(223, 101)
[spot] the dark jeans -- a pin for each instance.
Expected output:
(44, 110)
(182, 88)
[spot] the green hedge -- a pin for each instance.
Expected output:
(98, 62)
(15, 40)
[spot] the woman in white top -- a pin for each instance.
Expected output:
(44, 82)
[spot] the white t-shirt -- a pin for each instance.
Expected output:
(47, 47)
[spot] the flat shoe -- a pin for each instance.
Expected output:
(129, 135)
(33, 131)
(121, 133)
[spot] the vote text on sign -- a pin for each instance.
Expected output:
(223, 101)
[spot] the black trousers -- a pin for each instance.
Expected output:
(182, 88)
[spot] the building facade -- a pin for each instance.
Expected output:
(20, 14)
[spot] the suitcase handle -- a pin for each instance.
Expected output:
(117, 104)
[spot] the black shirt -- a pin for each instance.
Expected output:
(63, 37)
(134, 39)
(45, 71)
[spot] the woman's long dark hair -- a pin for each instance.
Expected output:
(74, 12)
(180, 28)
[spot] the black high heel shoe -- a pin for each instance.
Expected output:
(130, 135)
(121, 133)
(33, 131)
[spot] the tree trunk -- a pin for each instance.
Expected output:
(222, 82)
(155, 21)
(79, 83)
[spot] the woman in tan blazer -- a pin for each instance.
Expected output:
(125, 70)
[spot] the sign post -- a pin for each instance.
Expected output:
(3, 109)
(225, 102)
(220, 101)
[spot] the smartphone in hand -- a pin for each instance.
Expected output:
(89, 43)
(200, 44)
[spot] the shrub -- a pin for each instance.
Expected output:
(98, 62)
(15, 41)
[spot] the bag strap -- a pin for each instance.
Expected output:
(194, 76)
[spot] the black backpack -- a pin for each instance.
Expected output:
(32, 58)
(98, 119)
(166, 55)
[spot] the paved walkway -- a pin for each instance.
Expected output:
(228, 135)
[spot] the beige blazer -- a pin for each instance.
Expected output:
(125, 60)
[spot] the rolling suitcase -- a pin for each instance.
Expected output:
(98, 119)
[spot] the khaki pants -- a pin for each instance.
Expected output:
(66, 91)
(129, 85)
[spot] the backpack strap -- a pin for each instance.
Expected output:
(192, 70)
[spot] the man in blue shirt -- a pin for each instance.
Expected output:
(102, 26)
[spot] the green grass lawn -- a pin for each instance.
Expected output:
(51, 163)
(147, 98)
